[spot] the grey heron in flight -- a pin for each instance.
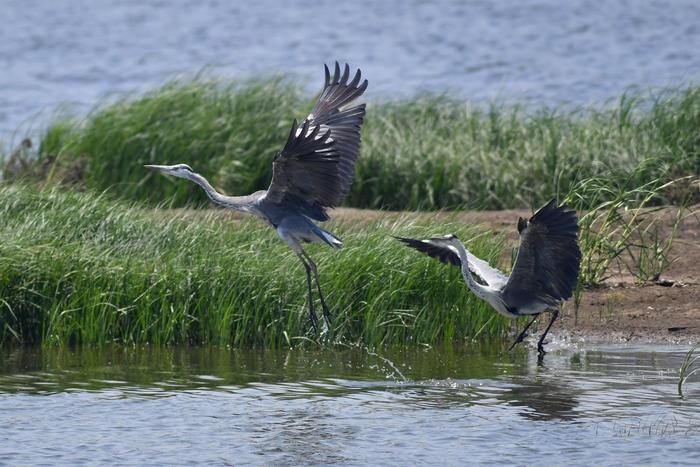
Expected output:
(311, 173)
(544, 274)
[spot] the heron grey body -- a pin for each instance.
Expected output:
(292, 227)
(544, 274)
(311, 173)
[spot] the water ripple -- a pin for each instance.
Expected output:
(212, 406)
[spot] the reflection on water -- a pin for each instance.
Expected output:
(543, 400)
(220, 406)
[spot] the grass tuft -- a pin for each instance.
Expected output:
(689, 367)
(618, 229)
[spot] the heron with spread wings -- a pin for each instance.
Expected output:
(311, 173)
(543, 276)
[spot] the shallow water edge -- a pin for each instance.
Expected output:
(607, 404)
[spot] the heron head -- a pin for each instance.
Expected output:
(449, 238)
(446, 240)
(177, 170)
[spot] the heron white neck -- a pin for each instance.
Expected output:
(222, 200)
(474, 286)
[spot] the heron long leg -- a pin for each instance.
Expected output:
(522, 334)
(326, 312)
(312, 311)
(540, 348)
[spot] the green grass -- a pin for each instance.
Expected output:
(620, 231)
(227, 131)
(429, 152)
(81, 268)
(78, 268)
(436, 152)
(689, 367)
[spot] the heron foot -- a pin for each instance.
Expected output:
(324, 330)
(523, 333)
(541, 342)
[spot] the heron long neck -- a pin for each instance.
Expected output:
(232, 202)
(474, 286)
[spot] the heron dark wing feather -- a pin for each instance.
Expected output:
(317, 164)
(439, 252)
(337, 92)
(549, 257)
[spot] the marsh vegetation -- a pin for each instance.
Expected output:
(430, 152)
(91, 251)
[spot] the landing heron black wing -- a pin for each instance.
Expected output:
(315, 168)
(549, 257)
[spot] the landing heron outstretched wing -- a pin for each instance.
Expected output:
(441, 249)
(549, 257)
(315, 168)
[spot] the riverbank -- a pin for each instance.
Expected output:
(78, 268)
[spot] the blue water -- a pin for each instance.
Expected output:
(71, 53)
(613, 405)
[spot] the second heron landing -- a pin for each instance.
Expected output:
(545, 272)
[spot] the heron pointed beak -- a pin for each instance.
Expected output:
(166, 169)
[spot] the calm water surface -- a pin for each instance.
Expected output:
(608, 406)
(543, 51)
